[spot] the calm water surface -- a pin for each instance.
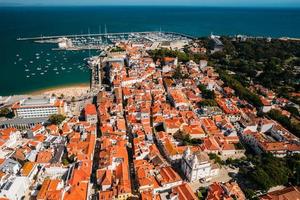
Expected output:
(26, 66)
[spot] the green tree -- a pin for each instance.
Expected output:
(207, 102)
(56, 119)
(240, 90)
(6, 112)
(202, 193)
(117, 49)
(285, 121)
(207, 94)
(73, 99)
(178, 73)
(216, 158)
(261, 178)
(293, 110)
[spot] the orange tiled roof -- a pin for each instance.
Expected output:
(78, 191)
(37, 127)
(27, 168)
(289, 193)
(184, 192)
(7, 131)
(49, 190)
(168, 175)
(90, 109)
(44, 157)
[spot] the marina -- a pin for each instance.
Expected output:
(109, 35)
(59, 63)
(106, 40)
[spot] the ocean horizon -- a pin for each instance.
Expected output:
(21, 59)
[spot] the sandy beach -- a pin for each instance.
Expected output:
(67, 90)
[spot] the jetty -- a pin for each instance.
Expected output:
(104, 34)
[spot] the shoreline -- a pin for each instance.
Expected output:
(56, 89)
(68, 91)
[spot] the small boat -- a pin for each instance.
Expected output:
(55, 69)
(38, 68)
(42, 73)
(37, 57)
(31, 61)
(26, 70)
(17, 55)
(47, 60)
(20, 59)
(57, 72)
(15, 63)
(37, 54)
(27, 76)
(32, 74)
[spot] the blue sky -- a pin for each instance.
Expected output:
(230, 3)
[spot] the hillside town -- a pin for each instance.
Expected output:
(156, 129)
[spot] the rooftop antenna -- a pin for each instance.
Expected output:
(105, 31)
(100, 37)
(89, 43)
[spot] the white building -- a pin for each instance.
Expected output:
(10, 136)
(65, 43)
(39, 107)
(203, 64)
(197, 166)
(10, 166)
(15, 188)
(90, 113)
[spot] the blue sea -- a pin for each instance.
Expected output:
(26, 66)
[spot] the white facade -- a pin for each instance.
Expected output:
(203, 64)
(196, 166)
(55, 171)
(167, 186)
(13, 138)
(36, 112)
(266, 109)
(266, 127)
(252, 128)
(10, 166)
(36, 108)
(15, 188)
(91, 119)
